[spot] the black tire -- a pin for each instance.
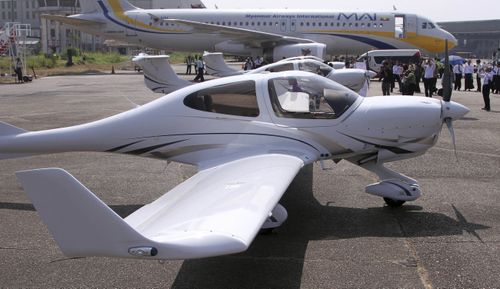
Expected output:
(393, 203)
(267, 231)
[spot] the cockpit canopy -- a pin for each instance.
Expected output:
(309, 97)
(309, 65)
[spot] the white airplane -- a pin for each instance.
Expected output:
(248, 136)
(274, 34)
(160, 77)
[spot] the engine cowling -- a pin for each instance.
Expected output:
(300, 49)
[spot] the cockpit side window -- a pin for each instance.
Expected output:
(309, 98)
(238, 98)
(281, 67)
(315, 67)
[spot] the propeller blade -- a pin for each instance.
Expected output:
(449, 124)
(446, 75)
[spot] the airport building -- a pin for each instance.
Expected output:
(55, 37)
(476, 39)
(22, 11)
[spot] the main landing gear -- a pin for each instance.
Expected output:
(276, 218)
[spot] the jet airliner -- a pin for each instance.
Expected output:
(275, 34)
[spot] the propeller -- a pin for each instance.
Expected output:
(450, 110)
(449, 124)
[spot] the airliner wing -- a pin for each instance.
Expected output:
(73, 20)
(218, 211)
(251, 38)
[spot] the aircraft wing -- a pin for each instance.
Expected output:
(74, 21)
(249, 37)
(218, 211)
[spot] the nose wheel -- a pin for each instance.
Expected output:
(393, 203)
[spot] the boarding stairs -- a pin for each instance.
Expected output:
(7, 38)
(13, 42)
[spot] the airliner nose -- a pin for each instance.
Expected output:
(454, 110)
(452, 41)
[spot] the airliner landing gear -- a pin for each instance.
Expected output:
(276, 218)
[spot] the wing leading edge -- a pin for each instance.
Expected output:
(218, 211)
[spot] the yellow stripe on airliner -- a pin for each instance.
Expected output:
(120, 13)
(428, 43)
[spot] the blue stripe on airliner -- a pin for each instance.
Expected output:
(375, 43)
(106, 13)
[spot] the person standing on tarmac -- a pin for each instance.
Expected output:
(479, 72)
(487, 76)
(468, 71)
(430, 77)
(200, 70)
(458, 71)
(18, 69)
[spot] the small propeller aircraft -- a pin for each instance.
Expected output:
(160, 77)
(248, 136)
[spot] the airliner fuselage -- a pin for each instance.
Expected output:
(245, 31)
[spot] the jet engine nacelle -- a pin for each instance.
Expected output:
(301, 49)
(395, 190)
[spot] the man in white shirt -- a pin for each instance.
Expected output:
(496, 79)
(458, 71)
(397, 71)
(430, 77)
(487, 76)
(479, 71)
(468, 71)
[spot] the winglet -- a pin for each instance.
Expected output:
(81, 224)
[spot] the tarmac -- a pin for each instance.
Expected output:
(336, 235)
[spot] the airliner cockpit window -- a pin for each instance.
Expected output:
(238, 98)
(315, 67)
(309, 97)
(428, 25)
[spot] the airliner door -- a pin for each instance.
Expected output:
(411, 25)
(130, 30)
(405, 26)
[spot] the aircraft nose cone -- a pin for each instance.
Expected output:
(452, 41)
(454, 110)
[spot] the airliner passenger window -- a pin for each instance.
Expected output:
(309, 97)
(238, 98)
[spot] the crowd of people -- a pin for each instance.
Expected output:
(408, 77)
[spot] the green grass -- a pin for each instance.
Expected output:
(54, 61)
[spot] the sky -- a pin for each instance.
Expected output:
(440, 10)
